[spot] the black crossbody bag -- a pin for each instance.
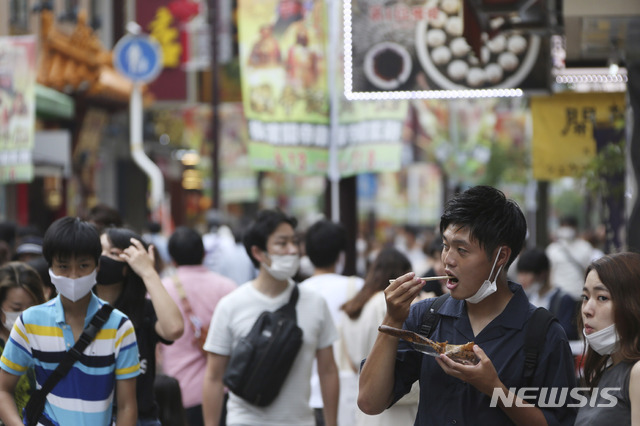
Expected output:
(35, 406)
(260, 362)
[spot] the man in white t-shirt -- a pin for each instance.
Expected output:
(326, 243)
(569, 256)
(272, 244)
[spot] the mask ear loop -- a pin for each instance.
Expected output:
(495, 262)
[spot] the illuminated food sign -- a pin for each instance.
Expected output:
(417, 49)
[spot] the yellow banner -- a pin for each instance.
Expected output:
(282, 60)
(563, 141)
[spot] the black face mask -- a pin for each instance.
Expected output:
(111, 271)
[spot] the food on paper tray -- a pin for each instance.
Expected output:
(462, 354)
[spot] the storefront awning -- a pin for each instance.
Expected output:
(54, 104)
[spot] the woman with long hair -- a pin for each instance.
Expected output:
(127, 274)
(20, 288)
(362, 314)
(610, 323)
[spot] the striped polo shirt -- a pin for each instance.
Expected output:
(40, 338)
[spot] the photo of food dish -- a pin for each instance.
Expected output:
(410, 46)
(449, 62)
(387, 65)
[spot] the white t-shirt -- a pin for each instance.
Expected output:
(233, 318)
(336, 290)
(569, 260)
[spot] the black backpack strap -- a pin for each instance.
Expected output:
(431, 317)
(289, 308)
(534, 339)
(35, 406)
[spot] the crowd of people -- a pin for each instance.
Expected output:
(100, 324)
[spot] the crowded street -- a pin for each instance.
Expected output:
(319, 212)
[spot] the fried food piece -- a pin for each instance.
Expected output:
(463, 354)
(459, 353)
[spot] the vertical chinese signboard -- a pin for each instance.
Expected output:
(17, 107)
(162, 21)
(563, 125)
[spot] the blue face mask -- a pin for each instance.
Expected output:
(488, 287)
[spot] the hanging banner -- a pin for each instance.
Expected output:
(284, 84)
(284, 70)
(17, 107)
(563, 124)
(370, 136)
(238, 182)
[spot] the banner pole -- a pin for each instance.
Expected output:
(334, 102)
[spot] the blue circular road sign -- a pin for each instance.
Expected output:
(138, 58)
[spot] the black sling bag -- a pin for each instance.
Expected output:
(260, 362)
(35, 406)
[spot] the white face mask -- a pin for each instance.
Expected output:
(566, 233)
(10, 319)
(604, 342)
(400, 242)
(283, 267)
(74, 289)
(533, 289)
(488, 287)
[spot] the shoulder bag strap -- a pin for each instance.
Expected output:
(35, 406)
(196, 324)
(571, 258)
(535, 336)
(431, 317)
(289, 308)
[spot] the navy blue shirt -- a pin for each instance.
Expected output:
(446, 400)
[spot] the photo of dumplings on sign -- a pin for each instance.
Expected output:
(419, 45)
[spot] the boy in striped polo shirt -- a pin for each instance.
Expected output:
(43, 334)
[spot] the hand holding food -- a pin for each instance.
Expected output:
(462, 354)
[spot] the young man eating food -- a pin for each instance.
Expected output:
(483, 233)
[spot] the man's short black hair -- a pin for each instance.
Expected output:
(154, 227)
(569, 220)
(491, 218)
(186, 246)
(324, 240)
(71, 237)
(533, 260)
(259, 231)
